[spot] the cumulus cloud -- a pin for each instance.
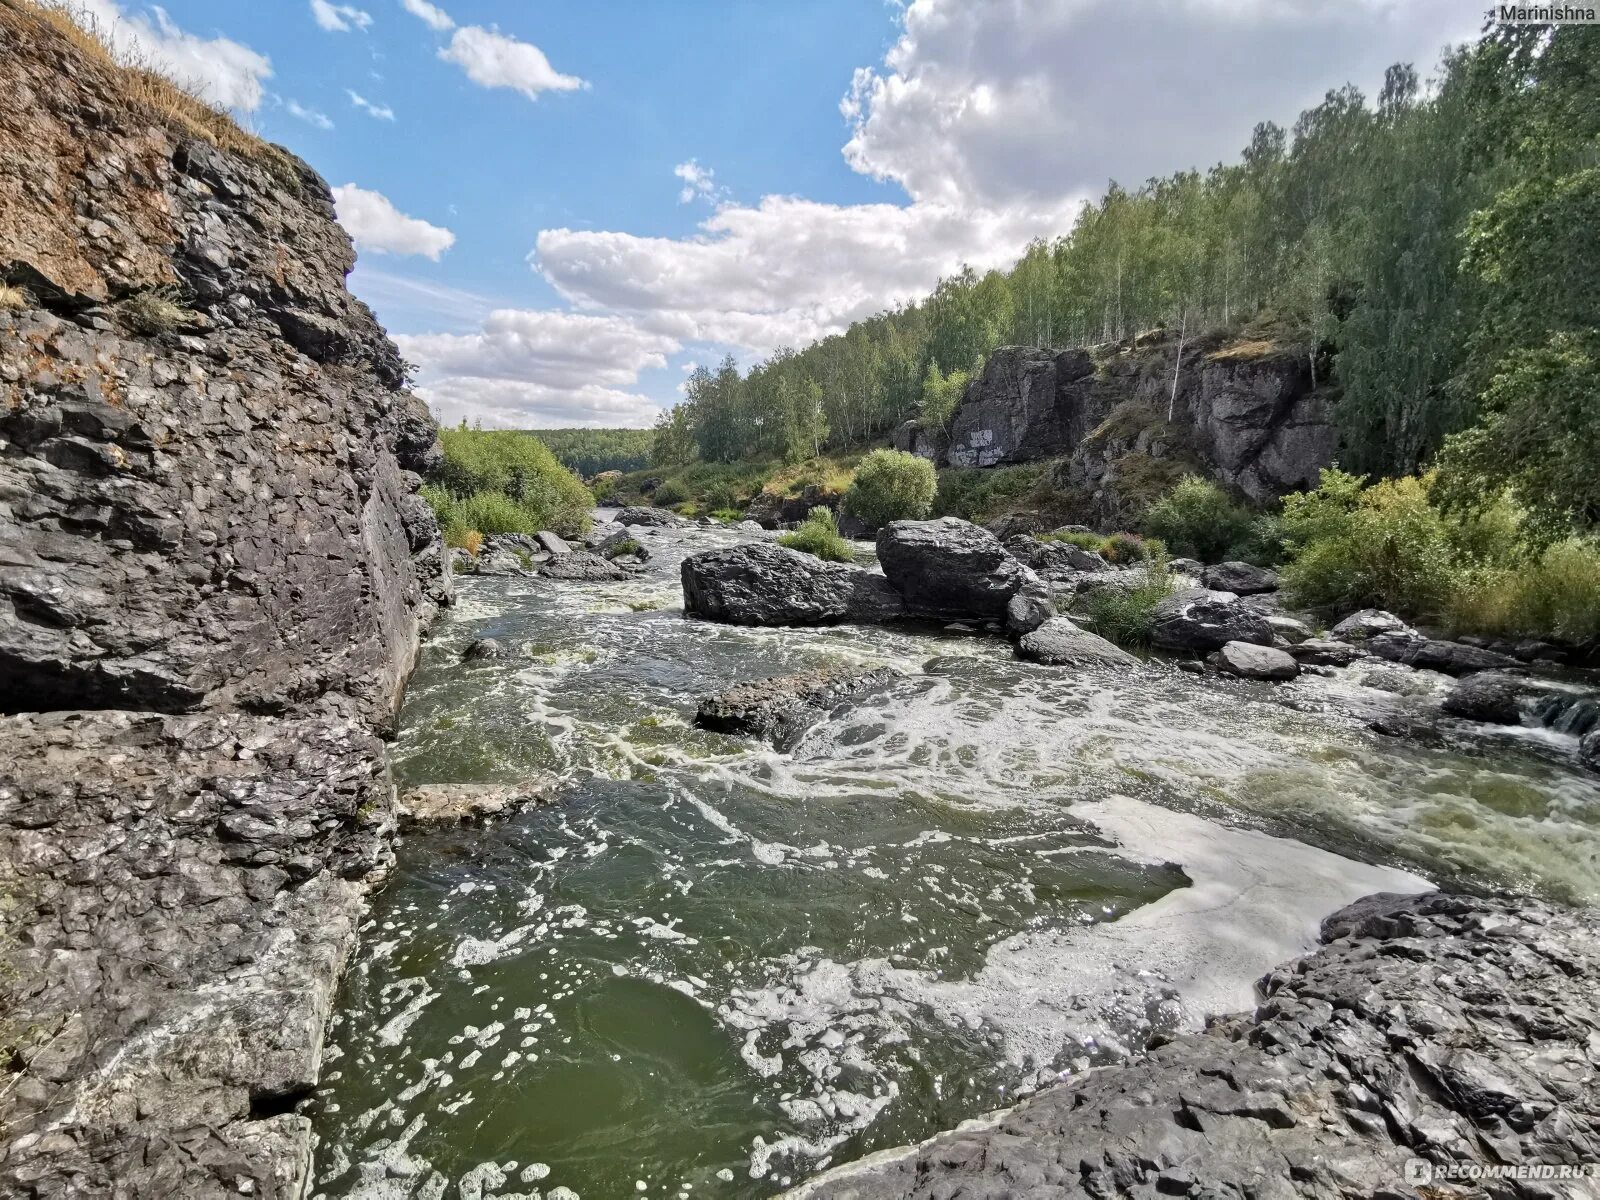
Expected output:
(786, 271)
(526, 368)
(432, 14)
(381, 112)
(309, 115)
(339, 18)
(699, 183)
(1023, 102)
(491, 59)
(376, 225)
(219, 69)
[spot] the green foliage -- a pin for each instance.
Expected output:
(1197, 519)
(516, 467)
(1083, 539)
(818, 534)
(1555, 595)
(625, 547)
(891, 485)
(979, 494)
(727, 514)
(1125, 548)
(591, 451)
(480, 513)
(941, 395)
(1124, 615)
(670, 493)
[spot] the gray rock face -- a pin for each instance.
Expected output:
(554, 543)
(1027, 610)
(1452, 658)
(1054, 560)
(764, 584)
(1060, 642)
(1368, 623)
(949, 569)
(219, 517)
(1324, 652)
(642, 515)
(1289, 631)
(581, 565)
(1202, 620)
(1248, 661)
(784, 707)
(912, 438)
(1241, 578)
(1429, 1027)
(1024, 405)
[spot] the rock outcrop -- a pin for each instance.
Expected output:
(215, 572)
(1201, 620)
(1432, 654)
(950, 569)
(764, 584)
(1430, 1035)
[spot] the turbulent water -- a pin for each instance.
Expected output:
(713, 968)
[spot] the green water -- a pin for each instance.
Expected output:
(713, 969)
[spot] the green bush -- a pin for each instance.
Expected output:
(891, 485)
(520, 468)
(727, 514)
(1125, 548)
(1081, 538)
(1124, 615)
(980, 493)
(1197, 519)
(819, 534)
(670, 492)
(481, 513)
(1556, 596)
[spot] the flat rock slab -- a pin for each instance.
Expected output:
(759, 583)
(1060, 642)
(1428, 1028)
(446, 803)
(783, 707)
(582, 566)
(1249, 661)
(1431, 654)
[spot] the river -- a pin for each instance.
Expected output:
(712, 968)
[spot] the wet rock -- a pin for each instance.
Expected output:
(1201, 620)
(759, 583)
(659, 518)
(1589, 750)
(1488, 696)
(1287, 630)
(619, 540)
(483, 649)
(1249, 661)
(1060, 642)
(1325, 652)
(580, 565)
(446, 803)
(748, 526)
(1027, 610)
(1241, 578)
(502, 561)
(603, 531)
(949, 569)
(1397, 682)
(553, 543)
(1423, 1027)
(785, 706)
(1430, 654)
(1187, 566)
(1368, 623)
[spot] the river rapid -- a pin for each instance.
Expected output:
(712, 969)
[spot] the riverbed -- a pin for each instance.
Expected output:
(712, 969)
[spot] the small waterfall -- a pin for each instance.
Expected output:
(1567, 713)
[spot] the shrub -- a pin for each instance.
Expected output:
(1199, 520)
(1081, 538)
(1556, 595)
(1124, 615)
(727, 514)
(819, 535)
(12, 299)
(521, 468)
(891, 485)
(472, 542)
(670, 492)
(495, 512)
(1125, 548)
(719, 496)
(154, 312)
(624, 548)
(979, 493)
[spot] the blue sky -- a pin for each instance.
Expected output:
(560, 207)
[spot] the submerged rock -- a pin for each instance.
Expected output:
(443, 803)
(949, 569)
(764, 584)
(1249, 661)
(580, 565)
(785, 706)
(1324, 652)
(1422, 1027)
(1202, 621)
(483, 649)
(1241, 578)
(1061, 642)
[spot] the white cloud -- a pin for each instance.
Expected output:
(493, 60)
(309, 115)
(222, 71)
(339, 18)
(435, 16)
(787, 271)
(378, 226)
(699, 183)
(380, 111)
(530, 368)
(1023, 102)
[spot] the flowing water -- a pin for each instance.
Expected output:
(712, 968)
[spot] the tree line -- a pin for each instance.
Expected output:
(591, 451)
(1436, 244)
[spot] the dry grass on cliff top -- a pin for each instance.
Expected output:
(180, 109)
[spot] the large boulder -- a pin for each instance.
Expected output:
(1431, 654)
(1249, 661)
(1055, 559)
(1201, 620)
(759, 583)
(1060, 642)
(1241, 578)
(1368, 623)
(1027, 610)
(641, 515)
(1489, 696)
(949, 569)
(582, 566)
(784, 707)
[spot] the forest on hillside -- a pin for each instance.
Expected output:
(1436, 244)
(591, 451)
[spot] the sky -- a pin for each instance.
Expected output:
(560, 208)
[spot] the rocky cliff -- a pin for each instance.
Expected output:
(214, 571)
(1245, 412)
